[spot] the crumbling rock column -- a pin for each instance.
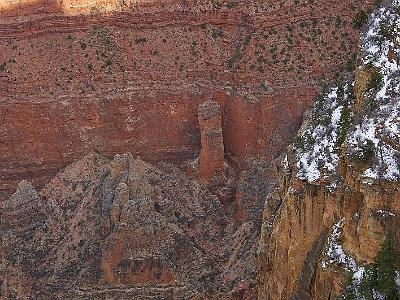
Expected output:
(212, 146)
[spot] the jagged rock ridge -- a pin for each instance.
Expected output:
(126, 228)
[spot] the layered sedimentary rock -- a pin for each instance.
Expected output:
(129, 229)
(125, 76)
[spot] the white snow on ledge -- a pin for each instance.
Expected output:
(379, 127)
(335, 252)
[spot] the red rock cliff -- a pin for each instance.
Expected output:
(116, 77)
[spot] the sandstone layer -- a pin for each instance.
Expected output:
(121, 76)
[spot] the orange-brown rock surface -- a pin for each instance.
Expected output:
(294, 238)
(118, 76)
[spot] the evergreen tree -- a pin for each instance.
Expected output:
(386, 270)
(349, 291)
(381, 275)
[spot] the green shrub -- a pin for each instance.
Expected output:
(370, 104)
(365, 152)
(352, 63)
(304, 141)
(348, 291)
(360, 19)
(216, 33)
(3, 67)
(381, 275)
(321, 115)
(386, 269)
(386, 32)
(344, 125)
(376, 80)
(216, 4)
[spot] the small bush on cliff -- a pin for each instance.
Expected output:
(321, 114)
(376, 80)
(360, 19)
(344, 125)
(378, 281)
(346, 119)
(216, 33)
(349, 290)
(352, 63)
(364, 152)
(386, 269)
(304, 142)
(216, 4)
(386, 32)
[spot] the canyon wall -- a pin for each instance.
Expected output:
(339, 184)
(77, 76)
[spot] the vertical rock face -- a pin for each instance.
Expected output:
(294, 257)
(212, 144)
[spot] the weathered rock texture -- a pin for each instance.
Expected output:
(118, 76)
(127, 229)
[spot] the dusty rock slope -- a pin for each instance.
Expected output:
(125, 228)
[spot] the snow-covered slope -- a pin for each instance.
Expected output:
(370, 134)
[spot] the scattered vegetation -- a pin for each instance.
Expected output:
(346, 119)
(352, 63)
(377, 3)
(348, 292)
(216, 4)
(106, 48)
(3, 66)
(376, 80)
(386, 32)
(140, 40)
(237, 55)
(216, 33)
(304, 141)
(381, 275)
(321, 115)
